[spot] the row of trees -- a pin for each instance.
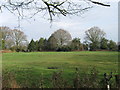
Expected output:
(95, 37)
(13, 39)
(45, 45)
(60, 40)
(49, 45)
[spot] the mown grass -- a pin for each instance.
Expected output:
(29, 68)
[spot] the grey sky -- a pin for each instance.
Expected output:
(104, 17)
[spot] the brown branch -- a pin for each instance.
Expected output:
(21, 4)
(48, 6)
(99, 3)
(52, 7)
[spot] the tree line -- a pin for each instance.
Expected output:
(60, 40)
(12, 39)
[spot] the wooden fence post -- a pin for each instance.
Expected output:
(107, 79)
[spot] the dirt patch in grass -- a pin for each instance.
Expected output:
(52, 67)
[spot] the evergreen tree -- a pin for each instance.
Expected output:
(46, 45)
(52, 43)
(31, 46)
(36, 46)
(41, 44)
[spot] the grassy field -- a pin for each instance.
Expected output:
(29, 67)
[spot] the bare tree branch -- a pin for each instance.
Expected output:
(102, 4)
(54, 7)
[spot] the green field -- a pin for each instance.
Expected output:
(28, 67)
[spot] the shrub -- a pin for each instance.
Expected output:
(64, 48)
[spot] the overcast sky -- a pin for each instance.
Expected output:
(105, 18)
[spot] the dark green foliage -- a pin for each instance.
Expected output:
(17, 49)
(3, 44)
(32, 46)
(41, 44)
(76, 44)
(36, 45)
(45, 45)
(52, 43)
(94, 46)
(64, 48)
(104, 44)
(85, 46)
(112, 45)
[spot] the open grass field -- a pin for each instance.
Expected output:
(29, 67)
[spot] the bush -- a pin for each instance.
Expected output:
(92, 79)
(64, 48)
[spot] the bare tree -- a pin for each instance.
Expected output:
(18, 37)
(5, 33)
(52, 7)
(5, 37)
(62, 37)
(12, 38)
(94, 36)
